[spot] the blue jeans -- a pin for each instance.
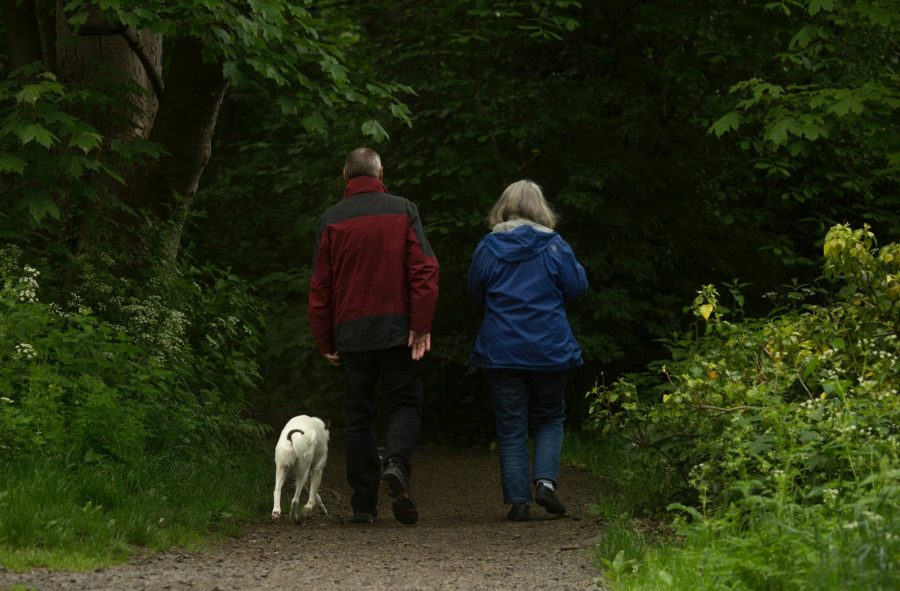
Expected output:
(522, 399)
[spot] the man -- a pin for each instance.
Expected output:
(372, 297)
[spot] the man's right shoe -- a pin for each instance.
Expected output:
(397, 481)
(546, 498)
(362, 518)
(519, 512)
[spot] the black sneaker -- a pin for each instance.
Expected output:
(519, 512)
(397, 481)
(546, 498)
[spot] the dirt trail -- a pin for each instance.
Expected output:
(462, 541)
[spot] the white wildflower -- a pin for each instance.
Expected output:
(25, 351)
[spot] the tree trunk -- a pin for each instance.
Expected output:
(102, 60)
(184, 126)
(181, 120)
(23, 38)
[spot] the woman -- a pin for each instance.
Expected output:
(524, 273)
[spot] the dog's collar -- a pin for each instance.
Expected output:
(292, 431)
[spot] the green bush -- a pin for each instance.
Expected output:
(784, 430)
(168, 364)
(118, 405)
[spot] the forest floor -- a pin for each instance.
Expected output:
(462, 541)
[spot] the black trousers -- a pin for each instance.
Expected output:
(400, 380)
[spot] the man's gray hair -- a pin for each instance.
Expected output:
(523, 200)
(362, 162)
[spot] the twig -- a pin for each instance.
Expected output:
(153, 74)
(721, 410)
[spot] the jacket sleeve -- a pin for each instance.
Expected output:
(475, 284)
(573, 279)
(422, 274)
(321, 304)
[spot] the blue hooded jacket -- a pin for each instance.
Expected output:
(524, 274)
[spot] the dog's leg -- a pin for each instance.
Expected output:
(281, 471)
(302, 476)
(314, 499)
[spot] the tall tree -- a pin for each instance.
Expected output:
(167, 66)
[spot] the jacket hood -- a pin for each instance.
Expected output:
(518, 239)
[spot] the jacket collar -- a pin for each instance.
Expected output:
(363, 184)
(513, 223)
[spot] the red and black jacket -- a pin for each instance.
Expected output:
(375, 277)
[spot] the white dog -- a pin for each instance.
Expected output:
(302, 450)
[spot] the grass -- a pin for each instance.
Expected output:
(91, 515)
(789, 548)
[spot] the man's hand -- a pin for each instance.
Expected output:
(333, 358)
(420, 343)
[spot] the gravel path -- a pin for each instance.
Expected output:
(462, 541)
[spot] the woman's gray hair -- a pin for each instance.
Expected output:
(362, 162)
(524, 200)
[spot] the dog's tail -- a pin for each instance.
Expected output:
(308, 436)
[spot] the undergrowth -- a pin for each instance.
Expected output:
(764, 451)
(121, 411)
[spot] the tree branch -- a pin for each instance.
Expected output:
(647, 445)
(723, 411)
(153, 74)
(131, 38)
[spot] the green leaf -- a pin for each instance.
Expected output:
(374, 129)
(337, 72)
(9, 163)
(30, 93)
(696, 515)
(315, 123)
(811, 366)
(818, 5)
(777, 133)
(850, 104)
(36, 132)
(39, 205)
(725, 124)
(85, 140)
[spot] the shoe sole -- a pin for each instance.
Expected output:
(550, 506)
(404, 507)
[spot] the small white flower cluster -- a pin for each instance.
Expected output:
(830, 495)
(6, 400)
(231, 326)
(25, 351)
(871, 516)
(811, 404)
(75, 301)
(153, 323)
(885, 394)
(28, 285)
